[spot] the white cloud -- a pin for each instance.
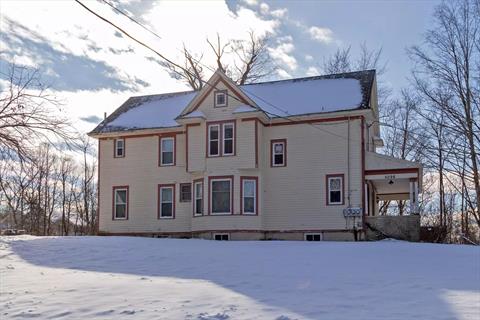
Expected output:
(251, 2)
(70, 31)
(279, 13)
(264, 8)
(312, 71)
(308, 57)
(321, 34)
(282, 55)
(283, 74)
(284, 39)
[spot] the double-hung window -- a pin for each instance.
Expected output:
(249, 195)
(198, 198)
(119, 148)
(221, 139)
(335, 189)
(221, 198)
(166, 206)
(120, 203)
(228, 139)
(167, 151)
(214, 140)
(278, 152)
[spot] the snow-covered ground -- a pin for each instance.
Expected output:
(144, 278)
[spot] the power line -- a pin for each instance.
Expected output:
(199, 62)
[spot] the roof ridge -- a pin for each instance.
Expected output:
(319, 77)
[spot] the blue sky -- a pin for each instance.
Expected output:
(93, 69)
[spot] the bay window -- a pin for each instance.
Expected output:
(198, 198)
(221, 198)
(248, 196)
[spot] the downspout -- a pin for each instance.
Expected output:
(348, 162)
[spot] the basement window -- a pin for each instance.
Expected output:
(221, 236)
(313, 237)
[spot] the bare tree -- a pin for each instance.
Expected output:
(249, 59)
(28, 113)
(446, 75)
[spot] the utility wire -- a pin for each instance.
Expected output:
(210, 68)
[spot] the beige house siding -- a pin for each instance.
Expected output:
(139, 171)
(291, 198)
(295, 195)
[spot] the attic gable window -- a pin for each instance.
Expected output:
(220, 98)
(119, 148)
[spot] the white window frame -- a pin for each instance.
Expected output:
(218, 140)
(115, 190)
(195, 198)
(221, 234)
(217, 93)
(210, 190)
(312, 234)
(116, 141)
(161, 151)
(232, 124)
(274, 153)
(254, 196)
(161, 216)
(341, 190)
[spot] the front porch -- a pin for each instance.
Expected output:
(388, 178)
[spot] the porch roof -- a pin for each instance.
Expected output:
(391, 176)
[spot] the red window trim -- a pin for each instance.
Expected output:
(220, 137)
(160, 137)
(272, 142)
(194, 200)
(210, 194)
(168, 185)
(180, 192)
(242, 178)
(215, 98)
(115, 147)
(327, 188)
(113, 201)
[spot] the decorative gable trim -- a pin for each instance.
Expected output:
(212, 85)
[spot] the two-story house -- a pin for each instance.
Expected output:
(291, 159)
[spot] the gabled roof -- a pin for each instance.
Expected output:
(319, 94)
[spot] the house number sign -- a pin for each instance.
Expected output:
(390, 177)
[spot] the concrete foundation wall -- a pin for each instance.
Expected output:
(396, 227)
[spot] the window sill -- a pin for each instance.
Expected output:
(166, 218)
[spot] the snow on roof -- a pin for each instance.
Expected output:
(328, 93)
(244, 108)
(304, 97)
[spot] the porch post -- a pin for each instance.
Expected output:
(415, 188)
(412, 201)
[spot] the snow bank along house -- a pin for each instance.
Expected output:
(291, 159)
